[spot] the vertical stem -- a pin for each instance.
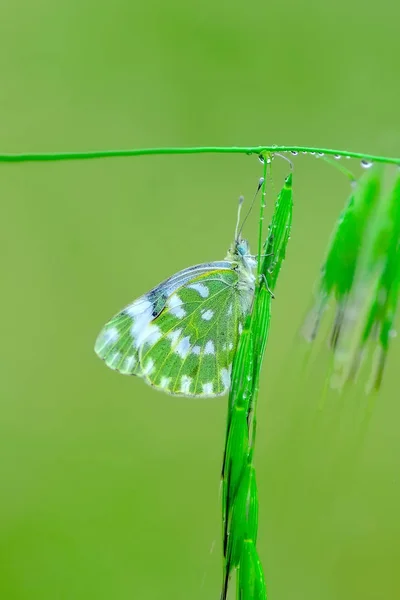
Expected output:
(262, 206)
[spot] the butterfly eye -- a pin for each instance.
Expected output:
(242, 248)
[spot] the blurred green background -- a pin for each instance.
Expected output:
(110, 489)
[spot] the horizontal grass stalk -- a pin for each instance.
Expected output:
(365, 159)
(239, 486)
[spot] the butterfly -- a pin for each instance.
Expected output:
(182, 335)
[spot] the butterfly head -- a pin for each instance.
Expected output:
(239, 253)
(242, 247)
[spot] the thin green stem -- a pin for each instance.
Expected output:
(261, 220)
(57, 156)
(341, 167)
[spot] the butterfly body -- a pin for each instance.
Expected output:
(181, 336)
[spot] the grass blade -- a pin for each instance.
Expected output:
(240, 498)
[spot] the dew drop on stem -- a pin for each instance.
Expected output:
(366, 164)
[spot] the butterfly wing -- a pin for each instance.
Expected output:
(180, 337)
(119, 341)
(199, 332)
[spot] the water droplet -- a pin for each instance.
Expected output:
(366, 164)
(304, 152)
(319, 154)
(312, 153)
(348, 157)
(337, 156)
(261, 158)
(269, 159)
(294, 152)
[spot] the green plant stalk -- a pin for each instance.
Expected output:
(239, 487)
(362, 273)
(261, 150)
(337, 273)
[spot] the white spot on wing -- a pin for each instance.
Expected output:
(230, 309)
(149, 367)
(147, 334)
(106, 338)
(207, 314)
(230, 346)
(129, 363)
(138, 307)
(210, 348)
(185, 384)
(174, 304)
(110, 336)
(196, 350)
(164, 383)
(201, 289)
(113, 360)
(208, 388)
(226, 377)
(240, 329)
(183, 346)
(143, 330)
(174, 336)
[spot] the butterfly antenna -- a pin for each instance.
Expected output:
(241, 200)
(238, 232)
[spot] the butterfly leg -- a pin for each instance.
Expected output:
(264, 279)
(255, 256)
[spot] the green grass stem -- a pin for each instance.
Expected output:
(239, 486)
(260, 150)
